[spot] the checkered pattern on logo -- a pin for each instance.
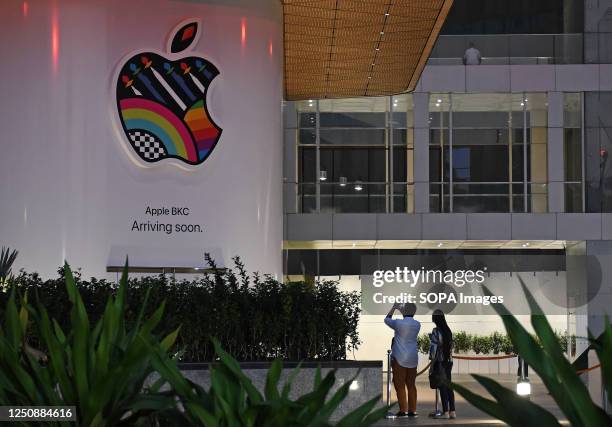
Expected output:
(149, 147)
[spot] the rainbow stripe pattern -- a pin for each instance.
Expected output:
(205, 133)
(144, 114)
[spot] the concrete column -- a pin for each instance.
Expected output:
(290, 157)
(421, 152)
(554, 151)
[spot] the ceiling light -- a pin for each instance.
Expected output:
(440, 244)
(438, 100)
(343, 181)
(323, 175)
(526, 244)
(377, 48)
(386, 13)
(382, 32)
(358, 186)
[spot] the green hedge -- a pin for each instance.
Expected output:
(495, 343)
(253, 317)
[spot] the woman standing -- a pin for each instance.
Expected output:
(443, 338)
(404, 355)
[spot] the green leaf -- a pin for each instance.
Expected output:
(489, 406)
(520, 410)
(12, 323)
(170, 339)
(271, 387)
(289, 382)
(358, 416)
(577, 395)
(234, 367)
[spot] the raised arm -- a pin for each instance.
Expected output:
(393, 308)
(388, 320)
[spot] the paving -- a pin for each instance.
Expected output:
(467, 415)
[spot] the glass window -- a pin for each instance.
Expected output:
(365, 152)
(572, 151)
(498, 156)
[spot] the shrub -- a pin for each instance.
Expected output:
(482, 344)
(462, 342)
(254, 317)
(423, 343)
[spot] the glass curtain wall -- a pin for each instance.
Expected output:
(355, 155)
(598, 144)
(572, 152)
(488, 152)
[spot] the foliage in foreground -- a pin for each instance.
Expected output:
(100, 370)
(233, 400)
(545, 356)
(7, 258)
(103, 372)
(253, 317)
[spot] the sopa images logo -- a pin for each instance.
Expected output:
(161, 102)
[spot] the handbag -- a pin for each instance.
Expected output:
(437, 375)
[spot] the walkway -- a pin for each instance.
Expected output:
(467, 415)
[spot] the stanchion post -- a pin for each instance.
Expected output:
(388, 377)
(389, 373)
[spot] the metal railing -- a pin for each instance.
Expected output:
(502, 49)
(347, 196)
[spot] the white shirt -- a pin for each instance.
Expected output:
(404, 348)
(472, 56)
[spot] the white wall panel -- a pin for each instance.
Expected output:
(69, 191)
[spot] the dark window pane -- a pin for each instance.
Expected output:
(352, 120)
(353, 136)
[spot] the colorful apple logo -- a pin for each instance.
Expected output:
(162, 102)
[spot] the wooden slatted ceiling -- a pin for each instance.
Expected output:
(349, 48)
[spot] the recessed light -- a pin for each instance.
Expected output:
(438, 100)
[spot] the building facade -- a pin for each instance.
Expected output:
(506, 157)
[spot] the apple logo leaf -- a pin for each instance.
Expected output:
(184, 36)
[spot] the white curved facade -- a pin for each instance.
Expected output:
(70, 189)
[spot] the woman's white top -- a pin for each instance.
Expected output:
(404, 349)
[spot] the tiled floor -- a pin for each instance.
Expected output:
(467, 415)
